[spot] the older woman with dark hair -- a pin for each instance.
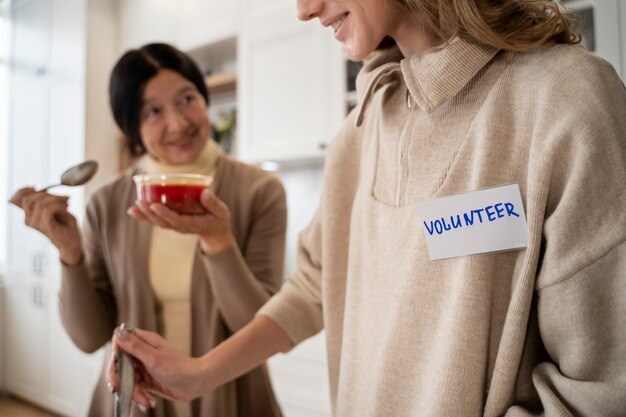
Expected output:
(194, 279)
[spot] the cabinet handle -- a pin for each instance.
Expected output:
(38, 263)
(322, 145)
(38, 295)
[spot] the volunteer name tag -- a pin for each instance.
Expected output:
(488, 220)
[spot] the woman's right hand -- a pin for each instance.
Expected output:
(48, 214)
(163, 371)
(159, 368)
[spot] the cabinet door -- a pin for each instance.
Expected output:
(66, 135)
(31, 44)
(207, 21)
(42, 364)
(25, 335)
(67, 36)
(290, 89)
(300, 379)
(70, 373)
(27, 163)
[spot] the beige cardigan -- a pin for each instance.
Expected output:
(539, 330)
(113, 285)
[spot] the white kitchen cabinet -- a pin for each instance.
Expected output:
(207, 21)
(70, 381)
(25, 334)
(186, 24)
(300, 379)
(146, 21)
(42, 364)
(27, 131)
(290, 88)
(31, 48)
(290, 81)
(55, 84)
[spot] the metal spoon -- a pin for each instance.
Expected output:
(76, 175)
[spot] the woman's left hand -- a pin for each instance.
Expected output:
(213, 228)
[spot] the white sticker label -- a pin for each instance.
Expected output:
(488, 220)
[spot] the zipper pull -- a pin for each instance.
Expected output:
(408, 99)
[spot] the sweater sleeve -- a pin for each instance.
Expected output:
(245, 278)
(581, 282)
(297, 308)
(86, 300)
(583, 325)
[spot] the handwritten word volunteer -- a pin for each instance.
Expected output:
(468, 218)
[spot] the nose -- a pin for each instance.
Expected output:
(176, 121)
(309, 9)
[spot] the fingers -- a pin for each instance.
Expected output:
(45, 212)
(214, 205)
(113, 380)
(142, 397)
(133, 342)
(166, 215)
(154, 213)
(153, 339)
(32, 202)
(215, 221)
(162, 216)
(18, 196)
(136, 212)
(47, 209)
(37, 201)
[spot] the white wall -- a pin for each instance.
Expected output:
(303, 185)
(4, 53)
(101, 133)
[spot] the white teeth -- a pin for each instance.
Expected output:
(335, 25)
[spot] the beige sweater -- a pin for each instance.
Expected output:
(171, 257)
(539, 330)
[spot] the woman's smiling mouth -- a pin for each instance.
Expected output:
(335, 23)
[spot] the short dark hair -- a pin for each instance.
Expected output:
(130, 76)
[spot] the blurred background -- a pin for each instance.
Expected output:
(279, 90)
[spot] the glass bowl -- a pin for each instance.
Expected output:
(180, 192)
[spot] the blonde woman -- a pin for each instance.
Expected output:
(468, 257)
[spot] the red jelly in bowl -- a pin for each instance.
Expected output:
(180, 192)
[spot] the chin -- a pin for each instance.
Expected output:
(357, 54)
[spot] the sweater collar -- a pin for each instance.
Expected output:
(205, 163)
(432, 78)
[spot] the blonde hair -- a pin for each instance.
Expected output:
(514, 25)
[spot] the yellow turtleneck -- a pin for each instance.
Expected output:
(171, 259)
